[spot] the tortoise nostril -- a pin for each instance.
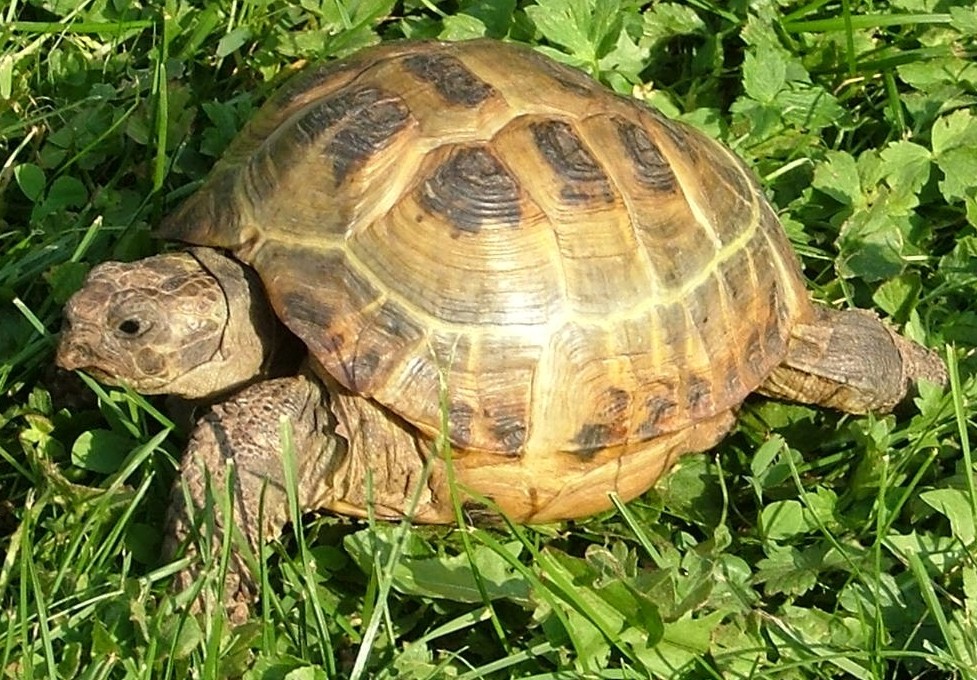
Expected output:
(71, 355)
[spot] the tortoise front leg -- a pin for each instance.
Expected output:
(243, 435)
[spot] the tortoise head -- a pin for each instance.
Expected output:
(192, 324)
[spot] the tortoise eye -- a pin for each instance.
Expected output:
(132, 328)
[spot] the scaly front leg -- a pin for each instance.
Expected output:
(242, 438)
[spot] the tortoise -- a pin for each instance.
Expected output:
(485, 252)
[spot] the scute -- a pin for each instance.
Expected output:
(566, 154)
(475, 226)
(471, 188)
(453, 81)
(650, 167)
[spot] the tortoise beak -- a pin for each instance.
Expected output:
(74, 349)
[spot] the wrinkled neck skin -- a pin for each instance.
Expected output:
(253, 339)
(193, 324)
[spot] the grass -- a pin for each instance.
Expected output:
(807, 545)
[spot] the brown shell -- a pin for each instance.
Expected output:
(476, 230)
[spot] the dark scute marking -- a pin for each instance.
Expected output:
(578, 85)
(510, 432)
(773, 342)
(592, 436)
(755, 355)
(453, 81)
(617, 401)
(305, 309)
(651, 167)
(586, 455)
(699, 395)
(362, 369)
(321, 116)
(365, 119)
(365, 135)
(393, 321)
(566, 154)
(568, 77)
(657, 407)
(361, 291)
(470, 189)
(783, 310)
(261, 175)
(733, 383)
(460, 424)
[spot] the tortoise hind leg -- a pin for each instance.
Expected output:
(243, 433)
(851, 361)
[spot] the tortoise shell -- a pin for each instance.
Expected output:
(473, 233)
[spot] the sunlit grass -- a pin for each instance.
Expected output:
(807, 545)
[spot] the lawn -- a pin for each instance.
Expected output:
(808, 544)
